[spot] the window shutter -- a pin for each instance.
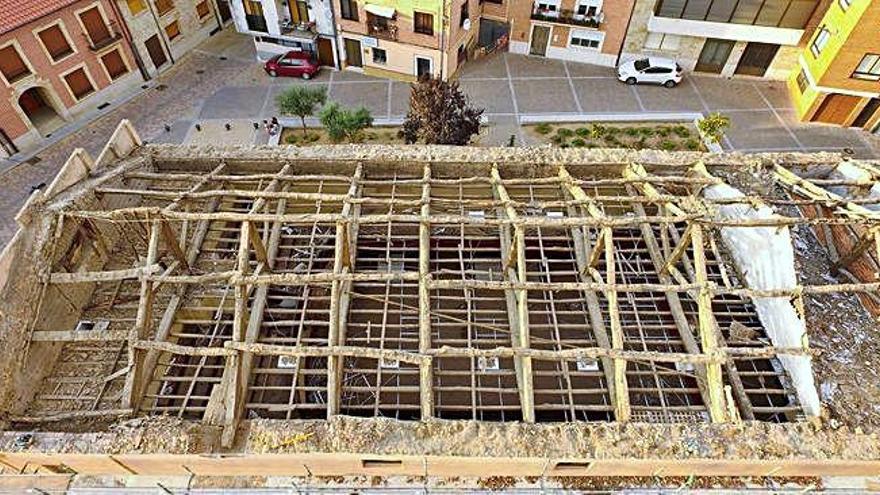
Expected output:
(164, 6)
(114, 64)
(135, 6)
(55, 42)
(172, 30)
(79, 83)
(95, 25)
(202, 9)
(11, 64)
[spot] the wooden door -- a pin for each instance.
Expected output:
(835, 109)
(353, 53)
(714, 56)
(223, 10)
(154, 48)
(540, 39)
(756, 58)
(325, 52)
(95, 25)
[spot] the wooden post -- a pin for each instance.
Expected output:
(426, 379)
(522, 339)
(340, 292)
(620, 396)
(143, 323)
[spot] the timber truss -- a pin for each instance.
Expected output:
(413, 290)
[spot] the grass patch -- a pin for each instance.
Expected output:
(373, 135)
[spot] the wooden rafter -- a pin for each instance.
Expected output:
(426, 368)
(521, 338)
(620, 395)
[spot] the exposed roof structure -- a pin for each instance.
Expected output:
(245, 287)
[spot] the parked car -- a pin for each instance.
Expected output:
(293, 64)
(655, 70)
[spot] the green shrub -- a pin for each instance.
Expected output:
(543, 128)
(564, 132)
(582, 132)
(598, 130)
(681, 131)
(342, 123)
(646, 131)
(667, 145)
(713, 126)
(664, 131)
(578, 143)
(564, 145)
(558, 140)
(610, 130)
(692, 144)
(631, 131)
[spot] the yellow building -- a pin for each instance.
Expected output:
(838, 80)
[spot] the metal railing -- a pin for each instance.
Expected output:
(566, 16)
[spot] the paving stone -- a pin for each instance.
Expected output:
(544, 96)
(721, 93)
(605, 96)
(522, 66)
(758, 130)
(373, 95)
(493, 97)
(681, 98)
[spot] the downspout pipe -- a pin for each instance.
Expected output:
(126, 33)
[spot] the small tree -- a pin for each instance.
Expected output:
(713, 126)
(342, 123)
(301, 101)
(439, 113)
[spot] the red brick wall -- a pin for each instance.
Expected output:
(45, 71)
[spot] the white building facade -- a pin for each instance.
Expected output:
(724, 37)
(279, 26)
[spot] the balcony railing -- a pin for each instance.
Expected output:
(567, 17)
(387, 31)
(111, 36)
(298, 30)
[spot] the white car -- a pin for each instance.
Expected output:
(653, 70)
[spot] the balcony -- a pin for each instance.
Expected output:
(566, 16)
(381, 27)
(104, 38)
(298, 30)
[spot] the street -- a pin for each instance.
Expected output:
(222, 81)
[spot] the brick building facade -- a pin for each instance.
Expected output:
(58, 61)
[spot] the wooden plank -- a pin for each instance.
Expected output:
(620, 388)
(426, 379)
(173, 244)
(525, 378)
(340, 293)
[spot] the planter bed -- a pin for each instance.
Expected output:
(669, 137)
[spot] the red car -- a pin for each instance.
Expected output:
(293, 64)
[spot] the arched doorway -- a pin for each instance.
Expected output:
(39, 110)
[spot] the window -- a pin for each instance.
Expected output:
(423, 23)
(12, 65)
(465, 14)
(819, 42)
(114, 64)
(172, 30)
(792, 14)
(869, 68)
(844, 4)
(802, 81)
(496, 2)
(136, 6)
(79, 83)
(588, 8)
(202, 9)
(662, 41)
(379, 56)
(55, 42)
(548, 6)
(164, 6)
(586, 39)
(349, 9)
(641, 64)
(461, 56)
(95, 26)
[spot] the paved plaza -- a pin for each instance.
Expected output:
(221, 81)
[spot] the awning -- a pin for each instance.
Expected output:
(380, 10)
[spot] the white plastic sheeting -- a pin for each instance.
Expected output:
(849, 171)
(765, 257)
